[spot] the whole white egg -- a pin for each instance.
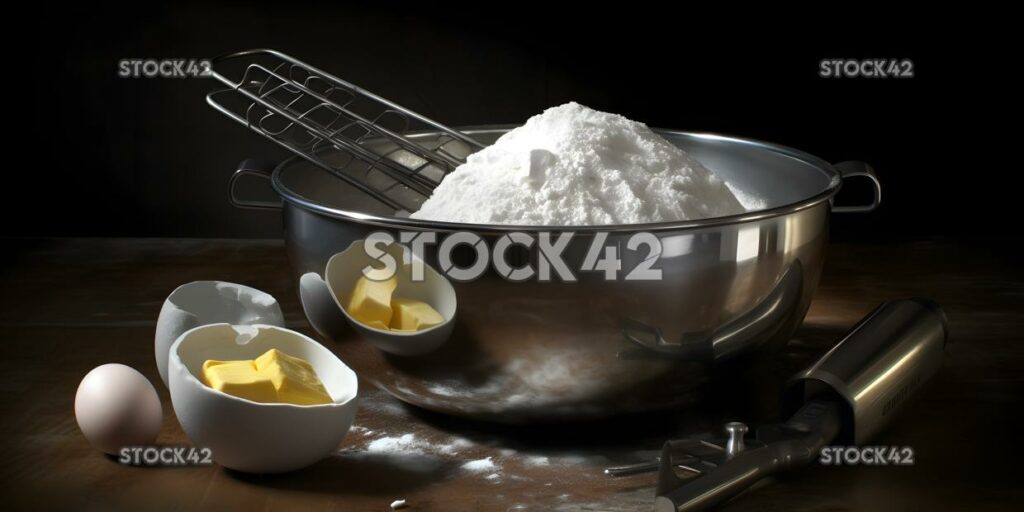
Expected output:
(117, 406)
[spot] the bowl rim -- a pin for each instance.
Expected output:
(174, 358)
(390, 221)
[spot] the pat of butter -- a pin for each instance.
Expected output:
(274, 377)
(239, 378)
(370, 302)
(294, 379)
(413, 315)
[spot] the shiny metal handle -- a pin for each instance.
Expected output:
(813, 427)
(254, 167)
(852, 169)
(873, 371)
(747, 332)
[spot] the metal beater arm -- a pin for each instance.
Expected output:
(349, 132)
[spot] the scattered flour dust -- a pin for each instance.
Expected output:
(409, 444)
(537, 460)
(480, 465)
(575, 166)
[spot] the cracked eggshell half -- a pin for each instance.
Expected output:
(210, 302)
(259, 437)
(346, 267)
(319, 307)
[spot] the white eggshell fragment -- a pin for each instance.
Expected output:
(116, 406)
(210, 302)
(318, 304)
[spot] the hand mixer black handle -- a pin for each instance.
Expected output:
(848, 395)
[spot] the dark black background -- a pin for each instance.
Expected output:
(109, 156)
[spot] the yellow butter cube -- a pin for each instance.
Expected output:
(413, 315)
(370, 302)
(294, 379)
(274, 377)
(377, 324)
(239, 378)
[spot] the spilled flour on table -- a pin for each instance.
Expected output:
(409, 444)
(480, 465)
(361, 430)
(537, 460)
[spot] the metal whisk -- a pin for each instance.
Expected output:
(347, 131)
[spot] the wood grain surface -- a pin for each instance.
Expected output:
(69, 305)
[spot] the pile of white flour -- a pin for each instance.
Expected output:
(572, 165)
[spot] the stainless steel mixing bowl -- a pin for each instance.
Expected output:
(732, 287)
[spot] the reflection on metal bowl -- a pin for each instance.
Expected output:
(521, 351)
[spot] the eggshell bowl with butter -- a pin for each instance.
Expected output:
(250, 436)
(346, 267)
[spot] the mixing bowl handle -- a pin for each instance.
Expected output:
(254, 167)
(745, 333)
(851, 169)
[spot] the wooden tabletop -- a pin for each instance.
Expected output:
(67, 306)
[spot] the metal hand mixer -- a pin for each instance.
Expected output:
(329, 122)
(846, 397)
